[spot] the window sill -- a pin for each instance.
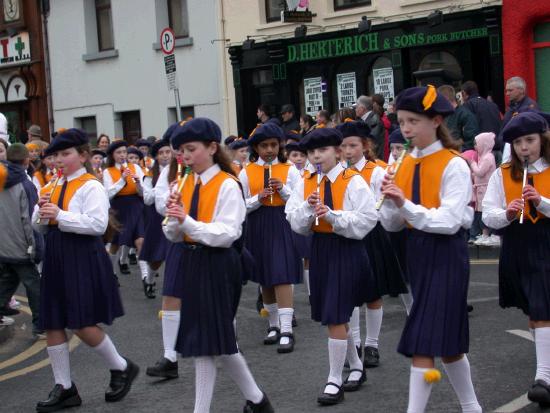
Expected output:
(351, 11)
(181, 42)
(273, 25)
(106, 54)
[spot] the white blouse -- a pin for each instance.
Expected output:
(114, 188)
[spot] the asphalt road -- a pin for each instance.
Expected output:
(503, 363)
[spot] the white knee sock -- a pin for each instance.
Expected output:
(235, 365)
(124, 255)
(170, 328)
(285, 317)
(61, 367)
(337, 350)
(407, 299)
(132, 251)
(353, 358)
(306, 281)
(273, 310)
(114, 260)
(354, 326)
(374, 323)
(461, 380)
(107, 350)
(419, 390)
(542, 346)
(205, 379)
(144, 268)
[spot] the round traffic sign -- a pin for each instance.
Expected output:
(167, 41)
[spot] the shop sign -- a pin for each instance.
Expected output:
(313, 95)
(15, 50)
(374, 42)
(297, 11)
(346, 89)
(383, 82)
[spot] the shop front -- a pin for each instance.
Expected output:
(329, 70)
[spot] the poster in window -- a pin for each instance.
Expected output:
(346, 89)
(383, 82)
(313, 95)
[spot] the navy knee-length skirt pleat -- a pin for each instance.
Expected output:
(129, 213)
(155, 244)
(173, 281)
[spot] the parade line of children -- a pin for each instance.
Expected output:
(352, 228)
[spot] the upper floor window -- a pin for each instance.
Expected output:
(273, 10)
(177, 17)
(347, 4)
(104, 20)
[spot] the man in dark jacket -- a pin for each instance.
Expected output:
(288, 115)
(516, 89)
(462, 123)
(20, 246)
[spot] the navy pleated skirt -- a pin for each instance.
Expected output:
(302, 245)
(399, 243)
(385, 265)
(129, 213)
(269, 240)
(524, 268)
(155, 244)
(339, 277)
(439, 272)
(173, 281)
(211, 293)
(78, 288)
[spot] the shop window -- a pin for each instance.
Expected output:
(348, 4)
(375, 73)
(186, 113)
(131, 126)
(273, 10)
(177, 17)
(541, 55)
(104, 20)
(263, 77)
(439, 68)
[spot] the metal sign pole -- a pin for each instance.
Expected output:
(178, 105)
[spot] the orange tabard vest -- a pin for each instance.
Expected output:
(3, 176)
(130, 188)
(72, 187)
(43, 179)
(381, 163)
(208, 195)
(512, 189)
(338, 190)
(367, 171)
(431, 173)
(255, 174)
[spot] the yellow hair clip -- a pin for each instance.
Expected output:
(429, 97)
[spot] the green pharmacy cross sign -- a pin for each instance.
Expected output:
(374, 42)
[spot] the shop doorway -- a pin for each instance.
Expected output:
(18, 117)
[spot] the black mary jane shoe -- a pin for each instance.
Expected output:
(132, 259)
(540, 393)
(372, 357)
(124, 268)
(164, 368)
(354, 385)
(148, 289)
(263, 407)
(121, 382)
(286, 348)
(272, 339)
(327, 399)
(60, 398)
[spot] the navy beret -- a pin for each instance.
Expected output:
(294, 146)
(229, 140)
(157, 145)
(238, 144)
(321, 137)
(397, 137)
(143, 142)
(135, 151)
(293, 135)
(354, 128)
(115, 145)
(168, 133)
(424, 100)
(525, 123)
(69, 138)
(196, 130)
(98, 152)
(265, 131)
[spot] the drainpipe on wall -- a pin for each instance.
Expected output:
(45, 11)
(225, 92)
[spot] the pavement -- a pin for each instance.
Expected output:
(502, 358)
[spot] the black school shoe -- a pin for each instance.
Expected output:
(263, 407)
(539, 393)
(286, 348)
(121, 382)
(132, 259)
(148, 289)
(124, 268)
(60, 398)
(327, 399)
(273, 339)
(164, 368)
(372, 357)
(354, 385)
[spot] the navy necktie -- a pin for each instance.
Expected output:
(328, 193)
(62, 195)
(266, 176)
(416, 185)
(532, 208)
(194, 210)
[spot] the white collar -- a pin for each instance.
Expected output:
(261, 162)
(540, 165)
(334, 172)
(76, 174)
(366, 115)
(360, 164)
(428, 150)
(207, 175)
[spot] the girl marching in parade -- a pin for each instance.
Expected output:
(388, 278)
(78, 290)
(44, 173)
(429, 194)
(517, 201)
(339, 207)
(208, 217)
(267, 184)
(97, 159)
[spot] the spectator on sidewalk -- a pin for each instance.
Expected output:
(364, 111)
(462, 123)
(20, 246)
(288, 115)
(486, 112)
